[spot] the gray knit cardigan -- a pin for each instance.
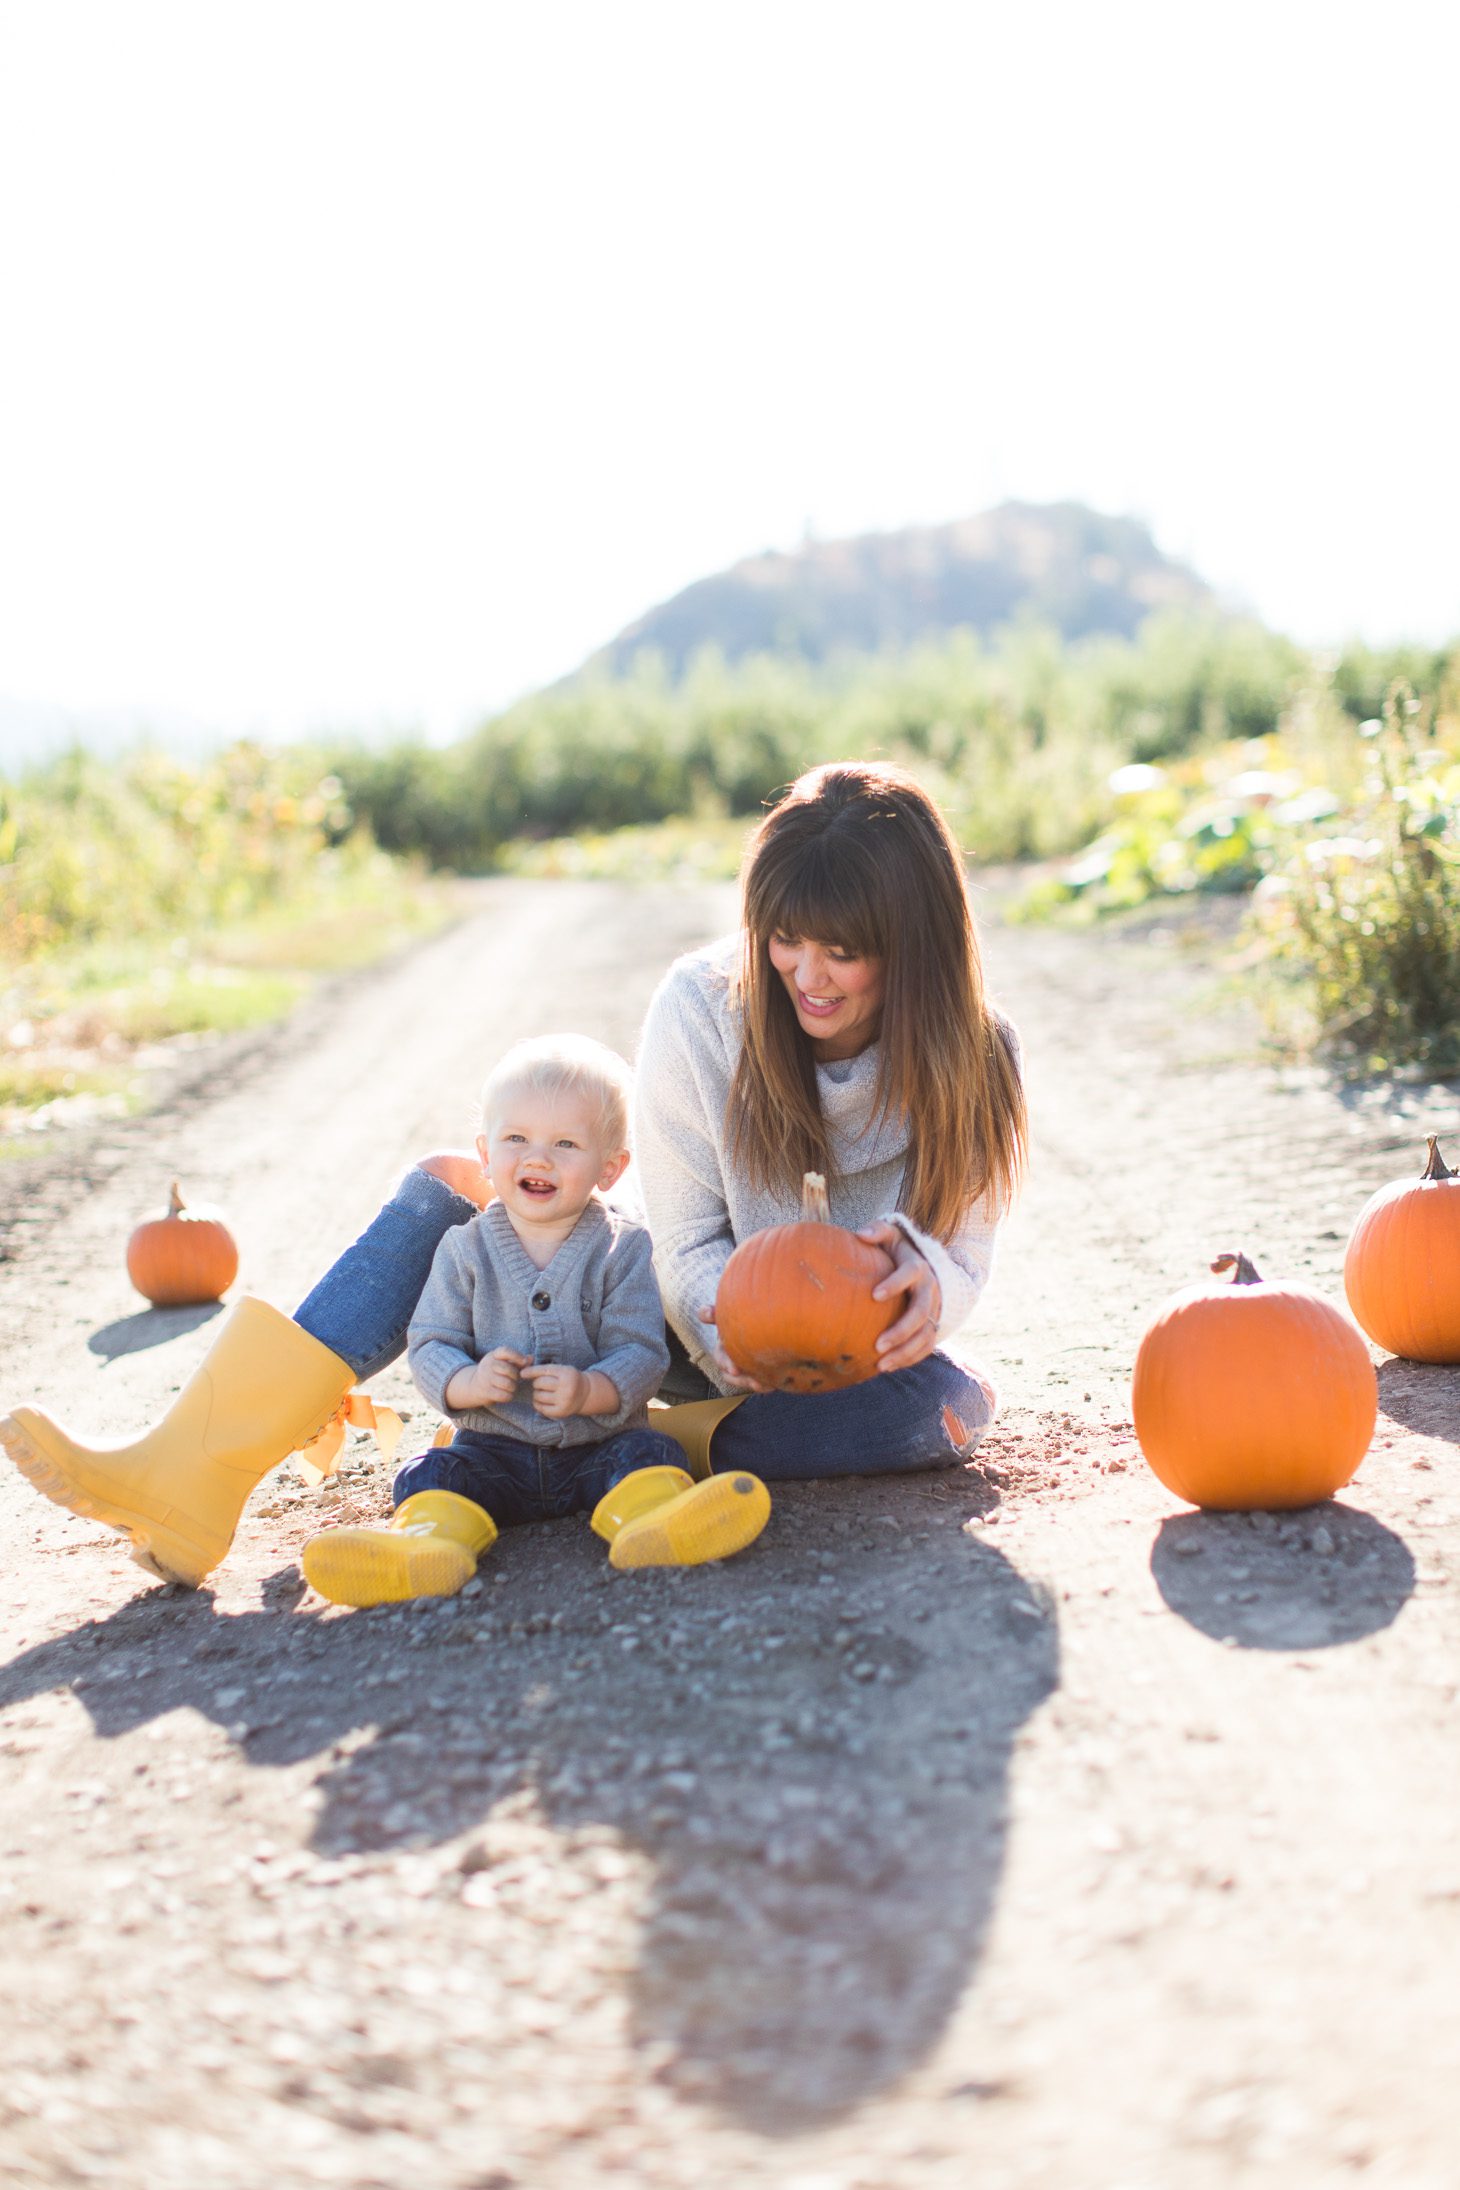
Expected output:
(699, 1209)
(594, 1306)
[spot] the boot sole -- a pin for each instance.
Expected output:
(161, 1550)
(362, 1567)
(713, 1521)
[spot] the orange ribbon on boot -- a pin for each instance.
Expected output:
(357, 1410)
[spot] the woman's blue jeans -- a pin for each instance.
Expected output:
(362, 1306)
(929, 1416)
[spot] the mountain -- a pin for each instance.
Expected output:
(1059, 563)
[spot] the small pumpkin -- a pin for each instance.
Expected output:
(794, 1307)
(182, 1259)
(1253, 1394)
(1401, 1269)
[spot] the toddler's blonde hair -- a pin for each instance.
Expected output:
(562, 1064)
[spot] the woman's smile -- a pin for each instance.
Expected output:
(838, 996)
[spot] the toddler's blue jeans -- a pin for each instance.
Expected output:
(517, 1482)
(928, 1416)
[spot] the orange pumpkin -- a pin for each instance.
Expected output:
(794, 1307)
(184, 1258)
(1253, 1394)
(1401, 1269)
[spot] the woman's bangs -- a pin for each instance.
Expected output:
(823, 898)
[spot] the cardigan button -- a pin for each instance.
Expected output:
(542, 1300)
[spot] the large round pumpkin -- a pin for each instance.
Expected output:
(182, 1259)
(794, 1307)
(1401, 1270)
(1253, 1394)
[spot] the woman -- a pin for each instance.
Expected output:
(845, 1031)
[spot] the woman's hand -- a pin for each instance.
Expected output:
(915, 1333)
(725, 1368)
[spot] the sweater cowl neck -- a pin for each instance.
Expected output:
(860, 1139)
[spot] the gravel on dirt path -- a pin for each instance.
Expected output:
(1012, 1825)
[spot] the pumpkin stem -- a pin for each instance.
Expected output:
(1436, 1168)
(815, 1208)
(175, 1203)
(1243, 1272)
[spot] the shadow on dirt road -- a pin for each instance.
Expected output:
(1302, 1581)
(149, 1327)
(822, 1791)
(1422, 1395)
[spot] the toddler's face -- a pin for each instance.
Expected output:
(545, 1154)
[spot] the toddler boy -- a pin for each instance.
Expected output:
(540, 1333)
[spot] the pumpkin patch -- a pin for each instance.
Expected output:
(1253, 1394)
(184, 1258)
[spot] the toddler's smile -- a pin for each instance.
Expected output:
(545, 1155)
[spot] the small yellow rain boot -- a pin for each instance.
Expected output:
(635, 1495)
(264, 1388)
(428, 1548)
(658, 1517)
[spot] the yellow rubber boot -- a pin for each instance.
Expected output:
(637, 1494)
(692, 1426)
(428, 1548)
(264, 1388)
(662, 1526)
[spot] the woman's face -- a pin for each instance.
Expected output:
(837, 998)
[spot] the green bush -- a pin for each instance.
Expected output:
(1347, 836)
(1193, 681)
(1365, 924)
(141, 900)
(91, 849)
(1016, 736)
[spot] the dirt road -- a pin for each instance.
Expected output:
(1011, 1826)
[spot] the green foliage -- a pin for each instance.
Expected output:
(1193, 681)
(148, 846)
(1207, 755)
(1211, 824)
(1365, 923)
(1363, 677)
(144, 900)
(1016, 736)
(1347, 836)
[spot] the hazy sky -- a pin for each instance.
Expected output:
(367, 363)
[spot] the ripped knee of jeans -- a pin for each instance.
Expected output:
(964, 1426)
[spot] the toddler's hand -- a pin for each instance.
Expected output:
(489, 1382)
(557, 1391)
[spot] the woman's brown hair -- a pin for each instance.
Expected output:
(857, 855)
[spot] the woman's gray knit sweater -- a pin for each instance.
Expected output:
(699, 1209)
